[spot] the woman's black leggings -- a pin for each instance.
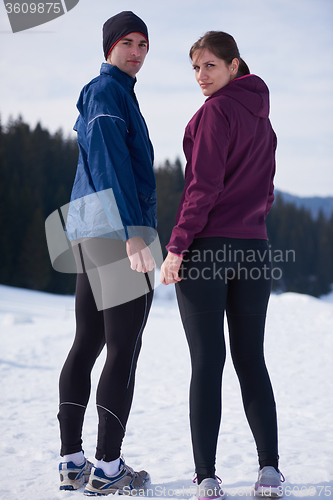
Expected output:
(232, 275)
(120, 328)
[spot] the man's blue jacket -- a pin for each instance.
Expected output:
(114, 192)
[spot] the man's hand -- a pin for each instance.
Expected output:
(170, 269)
(139, 255)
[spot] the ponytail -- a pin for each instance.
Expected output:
(243, 68)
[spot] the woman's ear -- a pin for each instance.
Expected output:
(234, 67)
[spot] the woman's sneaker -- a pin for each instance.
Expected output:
(269, 483)
(72, 476)
(209, 489)
(124, 482)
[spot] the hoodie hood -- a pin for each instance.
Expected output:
(250, 91)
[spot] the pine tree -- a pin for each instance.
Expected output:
(37, 171)
(170, 185)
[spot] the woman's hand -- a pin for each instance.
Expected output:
(139, 255)
(170, 269)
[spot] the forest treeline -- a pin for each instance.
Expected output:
(37, 171)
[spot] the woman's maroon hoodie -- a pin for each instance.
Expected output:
(229, 146)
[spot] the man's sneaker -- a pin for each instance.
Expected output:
(209, 489)
(126, 481)
(72, 476)
(269, 483)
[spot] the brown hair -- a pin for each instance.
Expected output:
(223, 46)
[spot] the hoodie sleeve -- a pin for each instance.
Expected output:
(271, 197)
(205, 172)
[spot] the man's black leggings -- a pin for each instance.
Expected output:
(120, 328)
(232, 275)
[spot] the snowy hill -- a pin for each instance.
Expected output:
(36, 334)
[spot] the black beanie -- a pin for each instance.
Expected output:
(119, 26)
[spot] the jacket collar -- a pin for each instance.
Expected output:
(125, 80)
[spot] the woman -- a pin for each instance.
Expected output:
(219, 245)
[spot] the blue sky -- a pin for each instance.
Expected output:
(288, 43)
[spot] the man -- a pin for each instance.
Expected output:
(111, 223)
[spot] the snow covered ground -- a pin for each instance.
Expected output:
(36, 334)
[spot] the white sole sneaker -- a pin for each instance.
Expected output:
(126, 482)
(72, 477)
(209, 489)
(268, 484)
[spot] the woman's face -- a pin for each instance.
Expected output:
(211, 72)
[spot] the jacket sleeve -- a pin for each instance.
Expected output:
(110, 169)
(205, 181)
(271, 197)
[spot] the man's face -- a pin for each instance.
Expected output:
(129, 53)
